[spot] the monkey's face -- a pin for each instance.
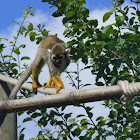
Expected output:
(58, 54)
(58, 59)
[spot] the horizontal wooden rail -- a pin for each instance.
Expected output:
(66, 97)
(28, 86)
(74, 97)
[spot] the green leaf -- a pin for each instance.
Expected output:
(13, 65)
(138, 115)
(120, 20)
(66, 116)
(30, 8)
(53, 113)
(15, 22)
(1, 47)
(15, 71)
(85, 85)
(137, 69)
(36, 114)
(138, 13)
(112, 114)
(32, 36)
(63, 108)
(99, 84)
(16, 51)
(89, 108)
(30, 27)
(81, 1)
(70, 14)
(80, 115)
(65, 32)
(90, 114)
(20, 113)
(57, 14)
(59, 122)
(131, 21)
(93, 22)
(122, 41)
(100, 118)
(137, 1)
(39, 39)
(106, 29)
(77, 131)
(32, 14)
(84, 122)
(26, 33)
(22, 130)
(25, 12)
(25, 58)
(27, 119)
(45, 32)
(106, 16)
(21, 137)
(22, 46)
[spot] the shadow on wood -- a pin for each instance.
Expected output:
(8, 125)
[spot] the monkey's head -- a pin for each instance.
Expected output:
(58, 53)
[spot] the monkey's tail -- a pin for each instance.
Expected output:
(25, 76)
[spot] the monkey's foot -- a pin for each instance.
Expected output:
(58, 89)
(49, 86)
(39, 85)
(34, 86)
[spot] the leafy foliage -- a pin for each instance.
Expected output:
(111, 52)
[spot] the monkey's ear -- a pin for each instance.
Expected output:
(67, 51)
(49, 50)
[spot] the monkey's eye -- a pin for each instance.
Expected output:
(54, 57)
(61, 56)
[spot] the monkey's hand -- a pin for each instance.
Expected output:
(55, 82)
(50, 83)
(58, 83)
(35, 85)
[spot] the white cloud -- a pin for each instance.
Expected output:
(98, 14)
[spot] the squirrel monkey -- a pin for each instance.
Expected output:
(55, 54)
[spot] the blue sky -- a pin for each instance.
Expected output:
(11, 10)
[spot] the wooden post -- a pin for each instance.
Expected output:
(8, 121)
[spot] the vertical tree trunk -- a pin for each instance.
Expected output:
(8, 121)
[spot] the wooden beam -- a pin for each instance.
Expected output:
(74, 97)
(66, 97)
(28, 86)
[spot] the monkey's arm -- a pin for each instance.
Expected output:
(25, 76)
(50, 83)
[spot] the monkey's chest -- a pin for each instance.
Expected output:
(56, 70)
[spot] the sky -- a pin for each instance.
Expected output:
(11, 10)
